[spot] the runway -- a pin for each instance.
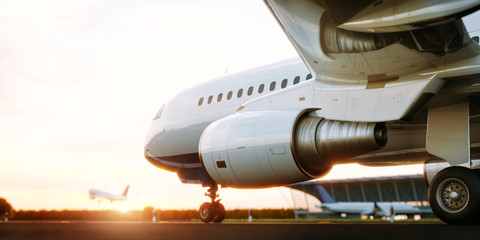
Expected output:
(231, 231)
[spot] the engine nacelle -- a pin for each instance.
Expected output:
(275, 148)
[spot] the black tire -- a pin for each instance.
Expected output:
(206, 212)
(477, 172)
(454, 195)
(219, 212)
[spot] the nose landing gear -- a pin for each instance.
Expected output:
(212, 211)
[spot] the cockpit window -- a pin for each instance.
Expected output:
(159, 113)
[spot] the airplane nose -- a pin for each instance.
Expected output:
(154, 129)
(155, 141)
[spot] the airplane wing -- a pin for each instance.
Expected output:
(387, 60)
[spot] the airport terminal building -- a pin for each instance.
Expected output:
(409, 189)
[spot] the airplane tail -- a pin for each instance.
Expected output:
(125, 192)
(324, 196)
(377, 211)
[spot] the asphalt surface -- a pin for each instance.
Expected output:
(231, 231)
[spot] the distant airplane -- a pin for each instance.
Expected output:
(379, 83)
(376, 209)
(95, 193)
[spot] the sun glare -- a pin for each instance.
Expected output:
(122, 208)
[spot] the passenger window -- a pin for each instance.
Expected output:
(229, 95)
(260, 88)
(296, 80)
(240, 93)
(284, 83)
(272, 86)
(250, 91)
(210, 99)
(309, 76)
(219, 98)
(200, 101)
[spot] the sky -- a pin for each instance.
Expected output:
(80, 81)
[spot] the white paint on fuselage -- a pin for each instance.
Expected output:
(182, 121)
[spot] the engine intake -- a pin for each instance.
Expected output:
(275, 148)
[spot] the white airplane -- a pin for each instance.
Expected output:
(99, 194)
(377, 209)
(377, 83)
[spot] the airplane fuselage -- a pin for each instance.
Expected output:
(95, 193)
(172, 140)
(99, 194)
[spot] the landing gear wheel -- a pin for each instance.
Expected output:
(206, 212)
(219, 212)
(454, 195)
(214, 211)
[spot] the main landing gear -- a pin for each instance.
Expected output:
(454, 195)
(212, 211)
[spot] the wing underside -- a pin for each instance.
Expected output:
(386, 69)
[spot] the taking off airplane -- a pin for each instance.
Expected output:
(378, 82)
(99, 194)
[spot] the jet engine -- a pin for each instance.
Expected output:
(274, 148)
